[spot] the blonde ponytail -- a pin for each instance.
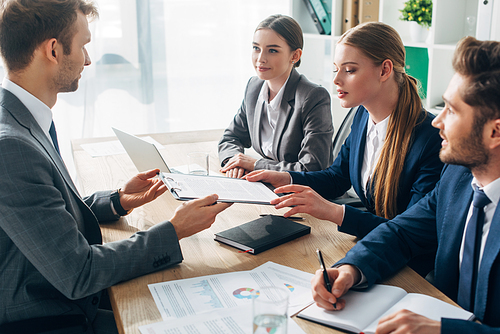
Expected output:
(379, 41)
(396, 145)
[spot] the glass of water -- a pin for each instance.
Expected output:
(270, 305)
(198, 163)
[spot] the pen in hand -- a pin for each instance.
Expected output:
(325, 274)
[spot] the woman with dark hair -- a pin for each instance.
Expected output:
(391, 157)
(285, 118)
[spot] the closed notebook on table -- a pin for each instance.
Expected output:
(262, 234)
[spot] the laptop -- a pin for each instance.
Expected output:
(144, 155)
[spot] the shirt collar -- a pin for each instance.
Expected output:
(492, 190)
(264, 94)
(380, 127)
(40, 111)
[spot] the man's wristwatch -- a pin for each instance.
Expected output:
(115, 199)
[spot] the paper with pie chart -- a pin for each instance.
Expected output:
(186, 297)
(296, 281)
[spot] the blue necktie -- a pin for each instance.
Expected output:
(472, 246)
(53, 136)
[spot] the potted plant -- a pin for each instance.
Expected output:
(419, 12)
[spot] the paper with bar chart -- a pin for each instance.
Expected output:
(181, 298)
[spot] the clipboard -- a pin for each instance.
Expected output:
(185, 187)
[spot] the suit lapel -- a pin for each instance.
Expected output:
(491, 251)
(38, 134)
(287, 106)
(19, 111)
(451, 234)
(91, 231)
(25, 118)
(357, 152)
(256, 129)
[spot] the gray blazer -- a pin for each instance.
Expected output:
(303, 136)
(52, 260)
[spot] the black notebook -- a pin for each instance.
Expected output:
(263, 233)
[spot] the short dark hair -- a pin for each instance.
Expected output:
(286, 27)
(25, 24)
(479, 62)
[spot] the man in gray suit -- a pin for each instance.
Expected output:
(52, 260)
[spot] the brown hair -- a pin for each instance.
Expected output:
(479, 61)
(379, 41)
(25, 24)
(287, 28)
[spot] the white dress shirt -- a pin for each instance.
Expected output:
(492, 190)
(40, 111)
(268, 125)
(375, 137)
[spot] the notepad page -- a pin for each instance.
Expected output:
(361, 308)
(427, 306)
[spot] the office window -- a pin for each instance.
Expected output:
(162, 66)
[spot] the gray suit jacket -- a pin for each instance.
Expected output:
(303, 136)
(52, 260)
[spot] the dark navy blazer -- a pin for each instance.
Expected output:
(438, 220)
(419, 176)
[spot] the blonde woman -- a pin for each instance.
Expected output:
(391, 157)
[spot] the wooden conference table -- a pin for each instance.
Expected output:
(132, 302)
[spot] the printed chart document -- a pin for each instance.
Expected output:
(192, 296)
(237, 320)
(363, 309)
(187, 187)
(297, 281)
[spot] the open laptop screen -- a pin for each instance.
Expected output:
(144, 155)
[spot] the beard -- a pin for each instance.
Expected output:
(72, 87)
(467, 151)
(68, 77)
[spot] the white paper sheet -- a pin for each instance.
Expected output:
(364, 309)
(297, 281)
(228, 189)
(186, 297)
(237, 320)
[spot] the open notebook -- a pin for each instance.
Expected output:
(363, 309)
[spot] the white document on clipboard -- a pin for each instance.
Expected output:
(187, 187)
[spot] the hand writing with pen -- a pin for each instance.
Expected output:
(341, 279)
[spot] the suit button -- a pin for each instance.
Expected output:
(95, 300)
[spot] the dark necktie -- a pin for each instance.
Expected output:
(53, 136)
(472, 246)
